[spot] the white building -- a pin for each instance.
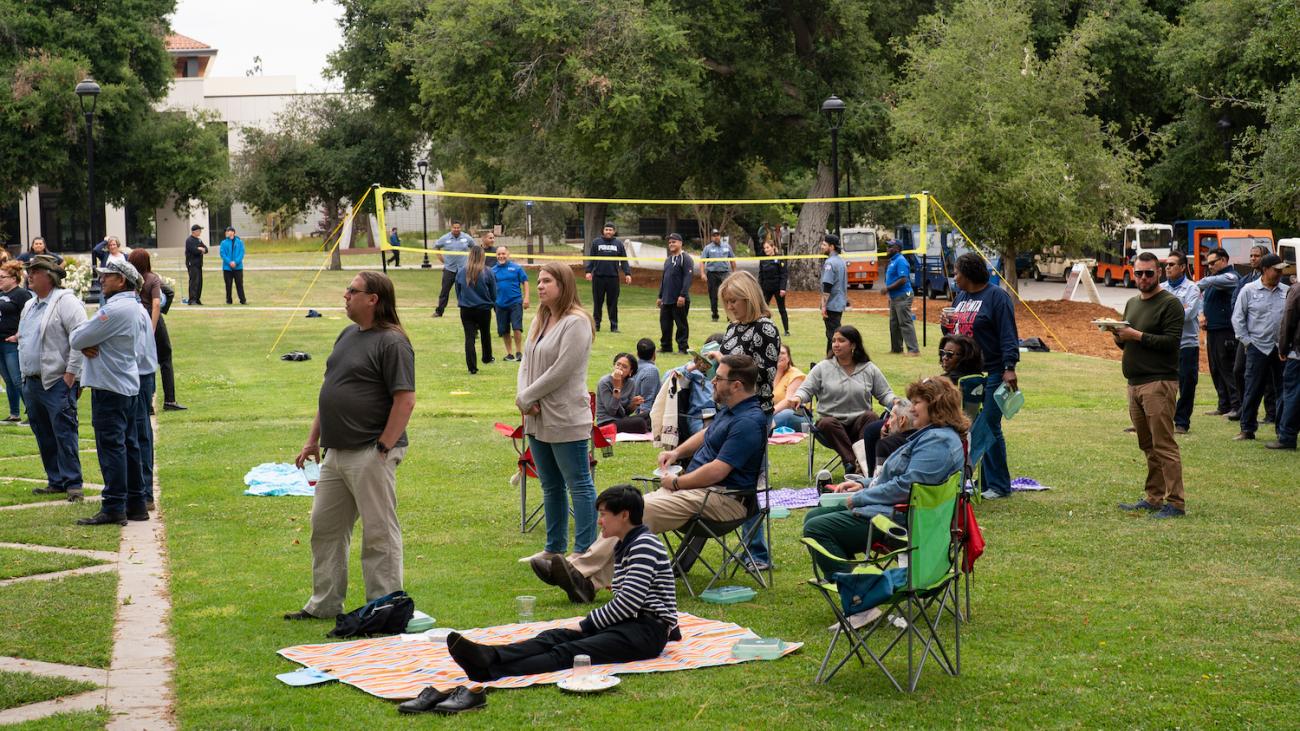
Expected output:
(238, 102)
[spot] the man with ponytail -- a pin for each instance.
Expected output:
(365, 403)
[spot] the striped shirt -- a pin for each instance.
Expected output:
(643, 584)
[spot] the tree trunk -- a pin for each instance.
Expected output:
(750, 230)
(806, 273)
(593, 220)
(670, 221)
(332, 222)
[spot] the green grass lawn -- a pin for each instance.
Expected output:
(56, 525)
(68, 620)
(19, 689)
(16, 562)
(1083, 616)
(75, 721)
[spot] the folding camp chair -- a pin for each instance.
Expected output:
(731, 536)
(931, 569)
(601, 438)
(817, 437)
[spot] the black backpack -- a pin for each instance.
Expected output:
(387, 615)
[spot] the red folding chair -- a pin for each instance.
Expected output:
(601, 438)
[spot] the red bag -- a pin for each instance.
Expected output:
(972, 539)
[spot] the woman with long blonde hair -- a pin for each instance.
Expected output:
(552, 396)
(476, 293)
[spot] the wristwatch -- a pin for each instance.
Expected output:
(379, 446)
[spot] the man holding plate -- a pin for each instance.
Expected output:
(1151, 343)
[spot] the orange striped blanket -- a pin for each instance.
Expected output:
(393, 668)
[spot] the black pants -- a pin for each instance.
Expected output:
(715, 281)
(840, 436)
(1221, 348)
(639, 639)
(634, 424)
(669, 315)
(235, 277)
(1263, 374)
(1189, 372)
(394, 258)
(605, 289)
(163, 342)
(448, 281)
(768, 294)
(832, 321)
(477, 322)
(195, 272)
(1239, 377)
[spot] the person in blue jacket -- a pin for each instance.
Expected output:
(232, 264)
(476, 294)
(898, 283)
(929, 457)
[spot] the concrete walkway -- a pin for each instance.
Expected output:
(137, 687)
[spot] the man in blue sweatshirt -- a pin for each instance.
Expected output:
(985, 313)
(603, 275)
(674, 300)
(1218, 290)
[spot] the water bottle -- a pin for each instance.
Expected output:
(823, 481)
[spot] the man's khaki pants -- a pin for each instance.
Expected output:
(1151, 408)
(355, 482)
(665, 510)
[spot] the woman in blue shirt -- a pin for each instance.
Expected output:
(929, 457)
(476, 293)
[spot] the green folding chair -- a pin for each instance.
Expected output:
(932, 551)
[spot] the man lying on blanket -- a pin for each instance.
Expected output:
(634, 625)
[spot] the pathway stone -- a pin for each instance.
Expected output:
(88, 701)
(101, 555)
(50, 576)
(43, 503)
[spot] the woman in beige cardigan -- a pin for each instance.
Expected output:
(552, 396)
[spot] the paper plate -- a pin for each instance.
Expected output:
(674, 469)
(589, 684)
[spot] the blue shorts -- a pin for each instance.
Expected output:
(510, 317)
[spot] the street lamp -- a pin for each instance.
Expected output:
(88, 94)
(423, 165)
(833, 108)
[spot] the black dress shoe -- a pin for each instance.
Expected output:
(578, 587)
(473, 658)
(102, 518)
(173, 406)
(541, 565)
(425, 701)
(48, 491)
(462, 699)
(300, 614)
(137, 515)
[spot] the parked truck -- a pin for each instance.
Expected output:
(1185, 231)
(930, 271)
(1055, 263)
(863, 271)
(1115, 260)
(1236, 241)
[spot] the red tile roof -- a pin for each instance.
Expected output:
(178, 42)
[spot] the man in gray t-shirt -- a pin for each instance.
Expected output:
(365, 403)
(835, 286)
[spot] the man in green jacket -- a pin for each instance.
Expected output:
(1150, 343)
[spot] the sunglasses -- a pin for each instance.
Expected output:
(1142, 273)
(948, 354)
(355, 291)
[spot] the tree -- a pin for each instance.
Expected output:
(1004, 139)
(1234, 64)
(324, 152)
(142, 155)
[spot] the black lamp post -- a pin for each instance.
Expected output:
(88, 94)
(423, 165)
(833, 108)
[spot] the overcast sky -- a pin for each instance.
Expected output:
(293, 37)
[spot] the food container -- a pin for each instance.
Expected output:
(1009, 401)
(728, 594)
(757, 648)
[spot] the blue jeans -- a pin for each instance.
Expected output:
(996, 472)
(52, 414)
(1288, 422)
(789, 419)
(1189, 369)
(13, 375)
(112, 415)
(1261, 370)
(564, 466)
(144, 432)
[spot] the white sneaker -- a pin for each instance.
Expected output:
(860, 620)
(992, 495)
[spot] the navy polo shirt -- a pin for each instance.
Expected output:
(735, 436)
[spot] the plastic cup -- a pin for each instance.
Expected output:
(525, 605)
(581, 666)
(706, 413)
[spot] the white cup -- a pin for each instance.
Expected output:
(581, 666)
